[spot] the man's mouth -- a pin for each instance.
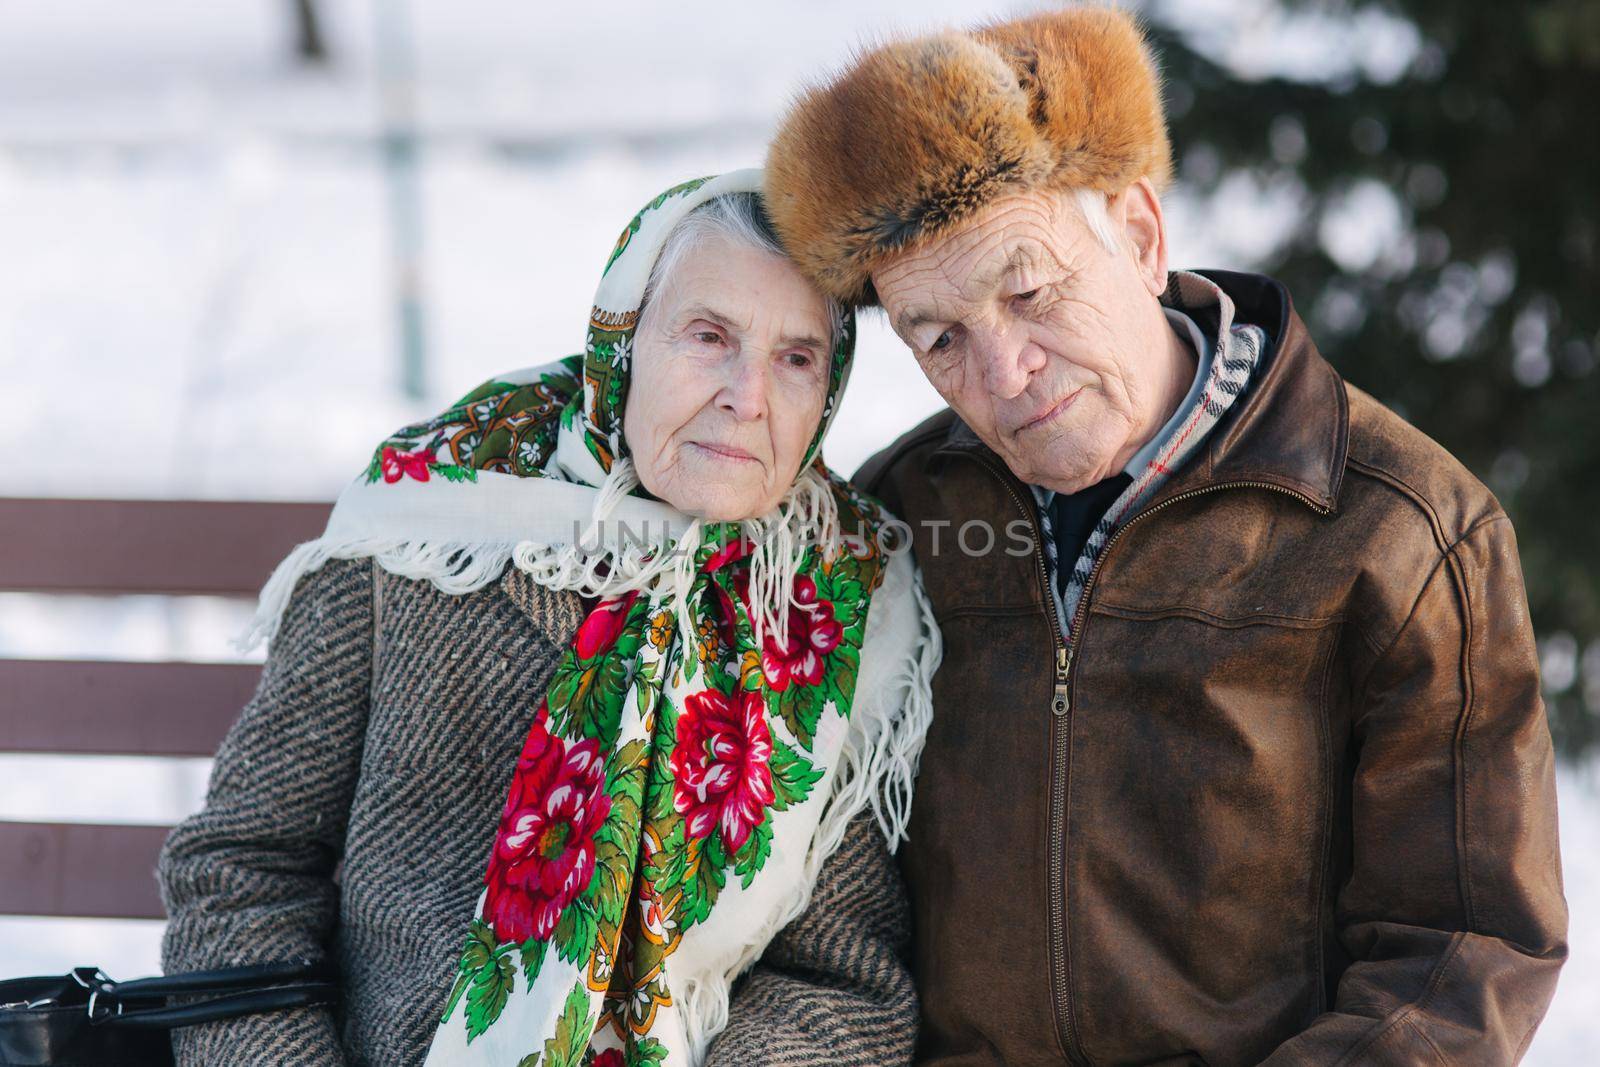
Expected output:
(1054, 412)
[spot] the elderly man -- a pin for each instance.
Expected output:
(1244, 759)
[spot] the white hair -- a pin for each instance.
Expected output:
(1092, 204)
(741, 220)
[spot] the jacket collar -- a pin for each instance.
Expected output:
(1290, 429)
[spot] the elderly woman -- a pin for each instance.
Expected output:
(563, 714)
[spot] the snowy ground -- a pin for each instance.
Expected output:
(196, 287)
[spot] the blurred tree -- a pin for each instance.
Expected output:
(1443, 252)
(309, 44)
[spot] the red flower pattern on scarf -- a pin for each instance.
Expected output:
(725, 617)
(720, 766)
(731, 552)
(397, 464)
(544, 853)
(813, 633)
(601, 628)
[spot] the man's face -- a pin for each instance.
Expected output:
(1051, 347)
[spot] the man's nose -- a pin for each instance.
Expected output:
(1009, 359)
(744, 393)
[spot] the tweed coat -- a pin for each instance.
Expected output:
(353, 806)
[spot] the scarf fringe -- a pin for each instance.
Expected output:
(808, 515)
(591, 569)
(456, 567)
(877, 767)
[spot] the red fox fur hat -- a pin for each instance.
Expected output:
(915, 136)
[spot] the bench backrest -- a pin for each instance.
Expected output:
(106, 707)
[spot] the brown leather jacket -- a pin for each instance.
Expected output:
(1291, 795)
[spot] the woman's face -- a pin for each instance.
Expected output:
(730, 370)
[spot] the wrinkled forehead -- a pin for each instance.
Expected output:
(1018, 234)
(740, 288)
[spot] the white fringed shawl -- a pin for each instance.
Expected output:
(461, 537)
(531, 471)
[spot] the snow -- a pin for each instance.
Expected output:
(197, 287)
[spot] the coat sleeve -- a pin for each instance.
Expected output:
(1453, 914)
(250, 878)
(835, 985)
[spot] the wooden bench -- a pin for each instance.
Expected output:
(122, 708)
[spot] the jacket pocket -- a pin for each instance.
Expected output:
(1200, 791)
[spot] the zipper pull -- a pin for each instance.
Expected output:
(1060, 704)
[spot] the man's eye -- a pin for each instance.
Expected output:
(943, 341)
(1029, 295)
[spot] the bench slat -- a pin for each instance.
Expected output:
(170, 709)
(145, 709)
(80, 869)
(149, 546)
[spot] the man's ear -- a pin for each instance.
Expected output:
(1137, 210)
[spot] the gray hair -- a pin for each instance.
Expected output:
(1096, 213)
(741, 220)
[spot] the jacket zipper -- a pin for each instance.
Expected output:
(1061, 705)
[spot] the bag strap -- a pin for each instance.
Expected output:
(230, 1006)
(221, 979)
(242, 991)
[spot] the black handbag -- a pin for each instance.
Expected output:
(84, 1019)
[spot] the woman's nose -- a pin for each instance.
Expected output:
(744, 394)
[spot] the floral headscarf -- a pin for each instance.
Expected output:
(705, 734)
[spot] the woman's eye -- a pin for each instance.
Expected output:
(708, 337)
(799, 359)
(943, 341)
(1027, 296)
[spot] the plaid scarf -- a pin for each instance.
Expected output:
(1238, 352)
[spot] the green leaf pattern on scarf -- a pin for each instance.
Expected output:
(629, 827)
(499, 426)
(654, 877)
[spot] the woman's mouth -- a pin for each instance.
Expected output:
(726, 453)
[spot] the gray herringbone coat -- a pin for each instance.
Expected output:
(353, 807)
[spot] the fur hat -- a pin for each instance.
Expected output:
(917, 135)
